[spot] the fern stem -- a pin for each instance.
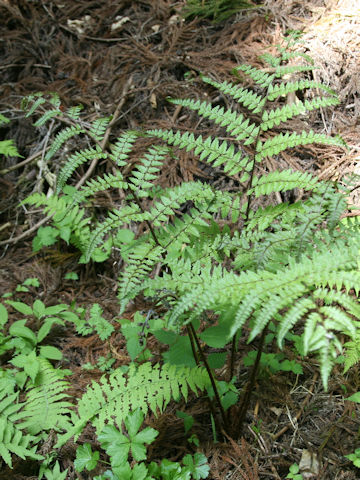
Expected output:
(247, 212)
(211, 376)
(232, 358)
(250, 386)
(137, 200)
(192, 343)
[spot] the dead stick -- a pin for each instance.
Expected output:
(300, 412)
(107, 134)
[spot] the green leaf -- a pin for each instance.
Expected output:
(197, 465)
(45, 237)
(8, 148)
(354, 398)
(85, 458)
(30, 363)
(115, 444)
(3, 315)
(18, 329)
(52, 353)
(217, 360)
(55, 474)
(20, 307)
(55, 309)
(71, 276)
(124, 235)
(188, 420)
(38, 308)
(180, 352)
(131, 333)
(32, 282)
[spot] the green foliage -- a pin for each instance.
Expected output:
(146, 387)
(28, 351)
(354, 457)
(44, 409)
(216, 10)
(294, 472)
(45, 406)
(212, 262)
(273, 363)
(7, 147)
(119, 446)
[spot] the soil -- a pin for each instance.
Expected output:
(127, 57)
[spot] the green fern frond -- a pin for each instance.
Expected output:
(74, 161)
(282, 114)
(147, 387)
(47, 116)
(171, 199)
(248, 98)
(281, 182)
(74, 112)
(318, 337)
(234, 122)
(100, 184)
(8, 148)
(336, 297)
(12, 439)
(282, 89)
(40, 100)
(114, 220)
(283, 70)
(121, 149)
(352, 352)
(98, 128)
(292, 316)
(211, 149)
(141, 261)
(62, 137)
(282, 141)
(261, 78)
(53, 204)
(287, 55)
(147, 170)
(263, 218)
(45, 408)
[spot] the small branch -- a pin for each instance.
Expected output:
(300, 412)
(107, 133)
(28, 232)
(21, 164)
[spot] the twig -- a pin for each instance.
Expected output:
(21, 164)
(300, 412)
(107, 133)
(28, 232)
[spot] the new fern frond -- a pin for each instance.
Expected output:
(148, 387)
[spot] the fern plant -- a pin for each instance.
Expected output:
(23, 425)
(229, 258)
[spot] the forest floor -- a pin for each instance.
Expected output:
(128, 57)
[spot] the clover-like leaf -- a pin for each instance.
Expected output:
(197, 465)
(85, 458)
